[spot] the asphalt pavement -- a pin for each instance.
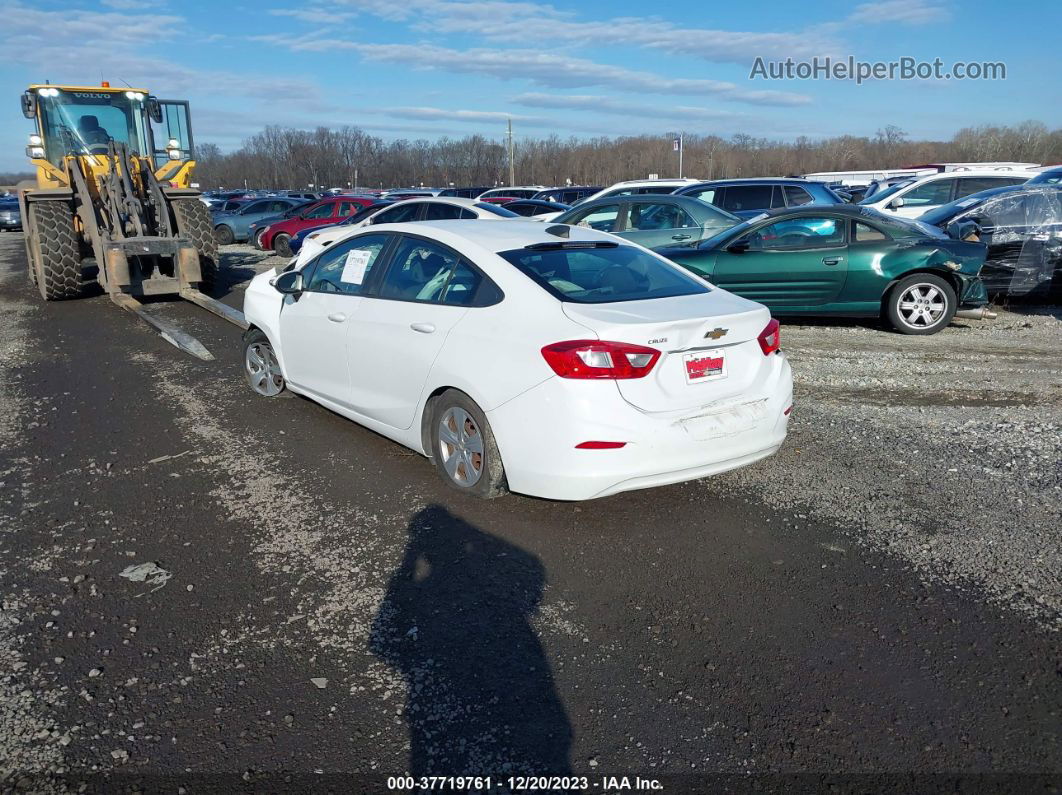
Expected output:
(210, 590)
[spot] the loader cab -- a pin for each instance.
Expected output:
(74, 121)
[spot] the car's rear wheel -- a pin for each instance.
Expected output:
(463, 448)
(282, 245)
(261, 366)
(921, 304)
(224, 235)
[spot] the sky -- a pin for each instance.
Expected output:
(433, 68)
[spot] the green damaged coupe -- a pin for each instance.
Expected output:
(845, 261)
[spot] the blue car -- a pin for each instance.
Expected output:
(750, 197)
(235, 227)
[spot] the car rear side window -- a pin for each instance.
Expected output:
(796, 195)
(495, 209)
(424, 271)
(603, 274)
(866, 234)
(747, 197)
(344, 268)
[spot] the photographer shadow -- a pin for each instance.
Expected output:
(456, 624)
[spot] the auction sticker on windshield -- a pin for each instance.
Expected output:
(705, 366)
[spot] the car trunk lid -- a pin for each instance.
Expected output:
(708, 343)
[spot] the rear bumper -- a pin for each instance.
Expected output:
(537, 433)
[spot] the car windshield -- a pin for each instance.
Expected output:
(884, 194)
(494, 208)
(601, 273)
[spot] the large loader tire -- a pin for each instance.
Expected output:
(193, 221)
(55, 259)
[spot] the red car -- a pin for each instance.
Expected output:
(323, 213)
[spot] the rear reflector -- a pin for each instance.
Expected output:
(600, 445)
(788, 411)
(770, 338)
(600, 359)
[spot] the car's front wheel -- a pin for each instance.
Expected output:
(261, 366)
(921, 304)
(224, 235)
(463, 448)
(282, 245)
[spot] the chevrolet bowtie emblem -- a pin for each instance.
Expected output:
(716, 333)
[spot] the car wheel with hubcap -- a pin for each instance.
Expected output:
(921, 304)
(261, 365)
(224, 235)
(256, 241)
(463, 448)
(282, 245)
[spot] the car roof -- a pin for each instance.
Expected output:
(641, 198)
(761, 181)
(812, 210)
(512, 234)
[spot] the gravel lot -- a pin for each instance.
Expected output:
(879, 600)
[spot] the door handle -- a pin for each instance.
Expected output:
(830, 260)
(423, 328)
(681, 237)
(337, 317)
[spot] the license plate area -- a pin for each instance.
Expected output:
(703, 366)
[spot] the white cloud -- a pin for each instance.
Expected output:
(316, 15)
(544, 68)
(620, 107)
(132, 5)
(444, 114)
(907, 12)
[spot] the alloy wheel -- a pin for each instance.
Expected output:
(922, 306)
(263, 370)
(461, 447)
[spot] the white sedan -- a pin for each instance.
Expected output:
(553, 361)
(444, 208)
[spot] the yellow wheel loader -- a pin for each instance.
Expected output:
(114, 189)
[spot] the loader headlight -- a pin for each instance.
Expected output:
(36, 140)
(35, 151)
(175, 154)
(173, 143)
(135, 95)
(48, 92)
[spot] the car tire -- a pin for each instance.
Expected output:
(224, 235)
(282, 245)
(261, 366)
(463, 448)
(257, 240)
(921, 304)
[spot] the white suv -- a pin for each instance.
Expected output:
(918, 195)
(634, 187)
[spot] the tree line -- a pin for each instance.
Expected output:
(280, 157)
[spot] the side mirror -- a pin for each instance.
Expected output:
(154, 110)
(289, 283)
(738, 246)
(29, 105)
(897, 203)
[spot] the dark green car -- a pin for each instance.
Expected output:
(843, 260)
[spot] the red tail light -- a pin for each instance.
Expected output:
(600, 359)
(600, 445)
(770, 338)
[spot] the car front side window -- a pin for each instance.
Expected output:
(643, 216)
(797, 233)
(600, 218)
(345, 267)
(931, 193)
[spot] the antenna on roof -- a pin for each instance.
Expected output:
(560, 230)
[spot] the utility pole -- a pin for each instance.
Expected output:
(677, 144)
(512, 161)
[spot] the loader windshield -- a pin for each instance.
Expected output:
(85, 122)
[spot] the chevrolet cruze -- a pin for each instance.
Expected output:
(549, 360)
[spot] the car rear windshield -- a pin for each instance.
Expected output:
(494, 208)
(603, 274)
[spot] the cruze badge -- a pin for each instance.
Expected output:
(716, 333)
